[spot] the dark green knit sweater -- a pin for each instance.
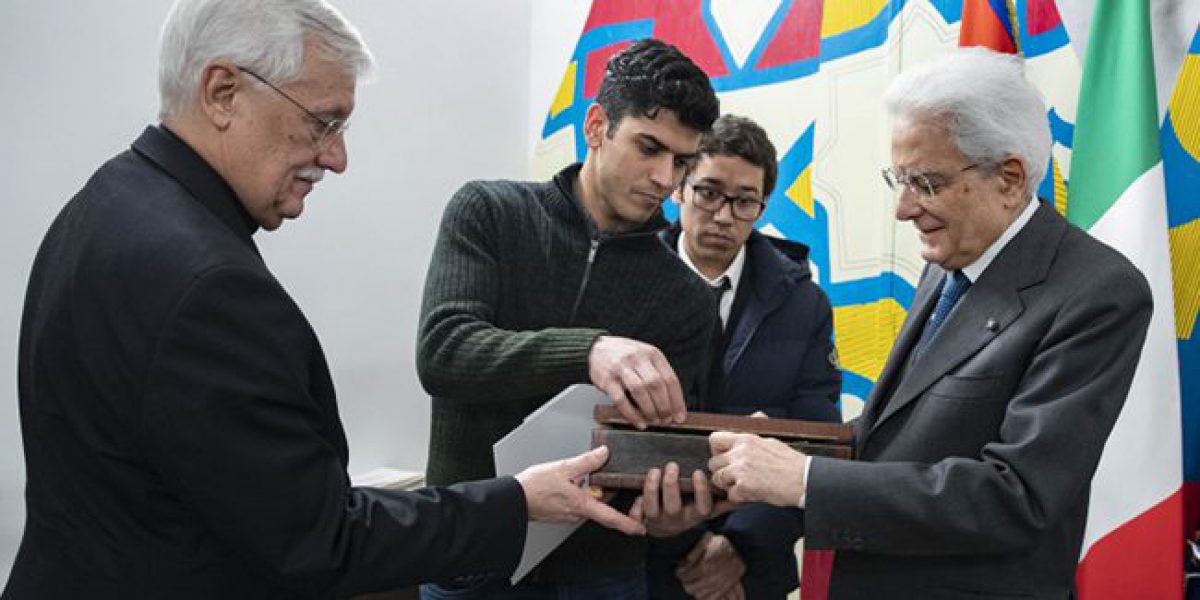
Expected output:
(512, 306)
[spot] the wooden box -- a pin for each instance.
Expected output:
(632, 452)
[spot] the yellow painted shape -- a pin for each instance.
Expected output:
(1185, 106)
(1060, 189)
(843, 15)
(1185, 274)
(864, 334)
(565, 96)
(800, 192)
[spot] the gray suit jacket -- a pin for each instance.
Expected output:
(976, 458)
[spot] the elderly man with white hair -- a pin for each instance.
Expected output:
(181, 432)
(978, 443)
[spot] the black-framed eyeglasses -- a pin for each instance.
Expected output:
(744, 207)
(324, 130)
(924, 184)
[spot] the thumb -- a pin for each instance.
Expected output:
(587, 462)
(721, 441)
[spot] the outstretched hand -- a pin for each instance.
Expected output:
(554, 493)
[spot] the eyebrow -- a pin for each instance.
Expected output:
(646, 137)
(744, 188)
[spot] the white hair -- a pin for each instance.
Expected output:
(982, 96)
(266, 36)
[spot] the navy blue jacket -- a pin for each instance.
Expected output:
(778, 357)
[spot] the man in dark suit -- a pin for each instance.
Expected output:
(986, 425)
(181, 433)
(774, 356)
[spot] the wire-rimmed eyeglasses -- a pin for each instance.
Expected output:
(744, 207)
(323, 130)
(924, 184)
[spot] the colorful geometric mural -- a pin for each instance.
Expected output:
(813, 73)
(812, 76)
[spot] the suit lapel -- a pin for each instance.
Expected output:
(994, 298)
(923, 303)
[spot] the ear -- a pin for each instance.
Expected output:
(220, 85)
(1013, 178)
(595, 125)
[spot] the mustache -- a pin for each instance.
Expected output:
(313, 174)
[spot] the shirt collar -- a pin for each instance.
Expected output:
(974, 270)
(174, 156)
(733, 272)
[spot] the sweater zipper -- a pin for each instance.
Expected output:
(587, 273)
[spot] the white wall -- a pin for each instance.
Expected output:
(451, 103)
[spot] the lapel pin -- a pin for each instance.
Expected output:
(993, 325)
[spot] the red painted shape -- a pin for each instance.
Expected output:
(597, 62)
(1041, 16)
(609, 12)
(981, 26)
(798, 37)
(1143, 558)
(677, 22)
(681, 23)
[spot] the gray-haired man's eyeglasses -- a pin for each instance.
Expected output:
(323, 131)
(923, 184)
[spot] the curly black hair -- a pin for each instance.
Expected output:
(650, 75)
(732, 135)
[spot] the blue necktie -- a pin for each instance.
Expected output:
(953, 288)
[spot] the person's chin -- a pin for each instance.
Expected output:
(932, 254)
(718, 243)
(289, 208)
(642, 212)
(647, 203)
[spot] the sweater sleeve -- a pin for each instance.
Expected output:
(461, 353)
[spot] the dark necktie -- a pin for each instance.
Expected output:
(953, 288)
(718, 294)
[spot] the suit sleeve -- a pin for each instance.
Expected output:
(1054, 428)
(460, 351)
(231, 426)
(818, 381)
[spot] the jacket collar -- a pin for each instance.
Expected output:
(992, 304)
(162, 147)
(773, 267)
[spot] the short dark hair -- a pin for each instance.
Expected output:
(650, 75)
(732, 135)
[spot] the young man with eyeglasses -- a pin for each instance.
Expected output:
(774, 356)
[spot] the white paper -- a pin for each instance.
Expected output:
(561, 428)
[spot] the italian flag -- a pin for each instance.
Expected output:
(1132, 548)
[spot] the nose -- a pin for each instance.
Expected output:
(333, 156)
(724, 214)
(662, 173)
(907, 206)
